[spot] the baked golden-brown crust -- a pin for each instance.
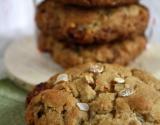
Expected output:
(69, 55)
(39, 88)
(86, 26)
(98, 3)
(97, 94)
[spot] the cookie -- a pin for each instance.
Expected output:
(87, 26)
(97, 94)
(69, 55)
(98, 3)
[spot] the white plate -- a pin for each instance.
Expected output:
(149, 60)
(28, 67)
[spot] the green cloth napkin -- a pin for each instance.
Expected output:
(12, 103)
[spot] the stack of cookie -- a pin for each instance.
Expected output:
(79, 31)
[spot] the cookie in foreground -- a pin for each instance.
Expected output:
(97, 94)
(87, 26)
(68, 55)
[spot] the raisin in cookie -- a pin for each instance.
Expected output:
(98, 3)
(68, 55)
(97, 94)
(87, 26)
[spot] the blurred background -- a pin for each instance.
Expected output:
(17, 20)
(17, 17)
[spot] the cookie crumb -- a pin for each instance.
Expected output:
(83, 106)
(89, 78)
(62, 77)
(119, 80)
(72, 25)
(97, 68)
(140, 118)
(119, 87)
(126, 92)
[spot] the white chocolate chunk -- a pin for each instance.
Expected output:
(61, 78)
(98, 68)
(83, 106)
(126, 92)
(119, 80)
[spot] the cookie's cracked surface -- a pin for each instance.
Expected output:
(90, 97)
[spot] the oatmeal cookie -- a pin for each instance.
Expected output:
(87, 26)
(98, 3)
(69, 55)
(97, 94)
